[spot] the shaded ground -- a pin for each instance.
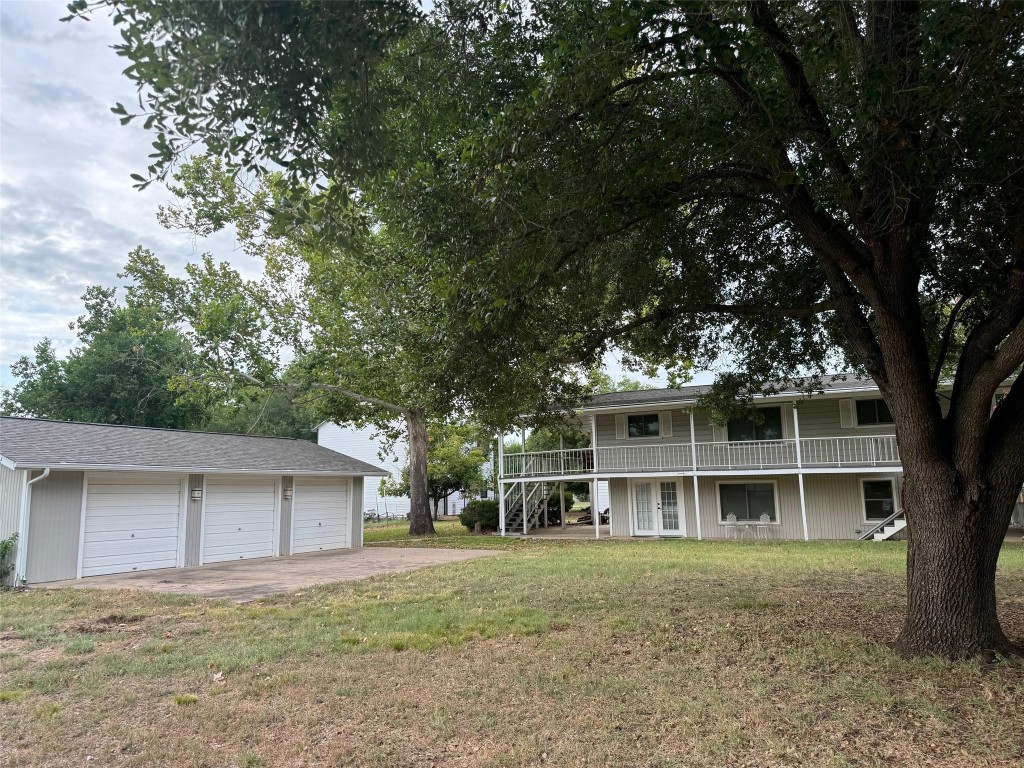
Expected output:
(671, 653)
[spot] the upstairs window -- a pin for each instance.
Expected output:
(766, 426)
(644, 425)
(873, 412)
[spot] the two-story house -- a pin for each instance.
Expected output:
(824, 466)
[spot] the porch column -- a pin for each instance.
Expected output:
(800, 470)
(544, 496)
(561, 501)
(593, 439)
(595, 512)
(501, 508)
(696, 490)
(522, 487)
(501, 485)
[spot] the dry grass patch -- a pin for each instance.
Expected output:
(565, 653)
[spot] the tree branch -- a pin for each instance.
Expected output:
(947, 337)
(785, 53)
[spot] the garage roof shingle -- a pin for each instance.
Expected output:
(40, 443)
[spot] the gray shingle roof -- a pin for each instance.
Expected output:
(43, 443)
(839, 381)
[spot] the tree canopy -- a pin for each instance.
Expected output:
(785, 187)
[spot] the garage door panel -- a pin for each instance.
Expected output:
(131, 522)
(239, 518)
(320, 514)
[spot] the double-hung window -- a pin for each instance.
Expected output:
(643, 425)
(873, 411)
(747, 501)
(765, 425)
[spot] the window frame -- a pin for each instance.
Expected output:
(864, 498)
(657, 420)
(775, 498)
(875, 400)
(782, 427)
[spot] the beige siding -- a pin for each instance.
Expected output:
(618, 497)
(285, 544)
(193, 522)
(787, 505)
(819, 417)
(680, 431)
(835, 507)
(55, 518)
(356, 538)
(12, 484)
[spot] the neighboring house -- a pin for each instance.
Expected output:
(824, 466)
(367, 444)
(91, 499)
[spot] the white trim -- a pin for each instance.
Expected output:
(864, 501)
(696, 485)
(200, 470)
(7, 462)
(21, 551)
(775, 498)
(782, 471)
(81, 525)
(351, 512)
(186, 493)
(778, 397)
(800, 474)
(275, 548)
(202, 526)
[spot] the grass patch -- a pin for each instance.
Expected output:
(658, 653)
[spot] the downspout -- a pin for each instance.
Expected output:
(20, 566)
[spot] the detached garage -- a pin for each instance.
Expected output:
(93, 499)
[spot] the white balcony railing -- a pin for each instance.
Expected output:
(865, 451)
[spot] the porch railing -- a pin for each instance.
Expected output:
(820, 452)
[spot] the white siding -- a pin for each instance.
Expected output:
(239, 517)
(132, 522)
(320, 514)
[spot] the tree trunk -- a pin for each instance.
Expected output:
(954, 541)
(420, 522)
(437, 504)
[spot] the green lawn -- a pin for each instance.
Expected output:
(618, 653)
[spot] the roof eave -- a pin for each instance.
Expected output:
(70, 467)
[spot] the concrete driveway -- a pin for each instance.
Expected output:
(245, 580)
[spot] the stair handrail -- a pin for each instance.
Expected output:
(875, 529)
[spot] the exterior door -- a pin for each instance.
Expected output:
(670, 514)
(239, 517)
(644, 520)
(656, 508)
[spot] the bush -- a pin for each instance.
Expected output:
(555, 507)
(6, 557)
(483, 511)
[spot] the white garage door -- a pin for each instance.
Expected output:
(320, 514)
(132, 522)
(238, 517)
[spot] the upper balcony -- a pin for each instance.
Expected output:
(815, 452)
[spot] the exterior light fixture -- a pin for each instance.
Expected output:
(287, 493)
(197, 493)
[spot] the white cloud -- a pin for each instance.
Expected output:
(68, 212)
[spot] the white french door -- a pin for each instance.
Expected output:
(657, 510)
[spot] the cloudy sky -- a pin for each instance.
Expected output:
(68, 212)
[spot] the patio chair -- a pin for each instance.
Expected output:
(731, 526)
(764, 528)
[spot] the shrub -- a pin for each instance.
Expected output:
(483, 511)
(6, 554)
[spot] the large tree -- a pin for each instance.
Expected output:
(785, 184)
(118, 374)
